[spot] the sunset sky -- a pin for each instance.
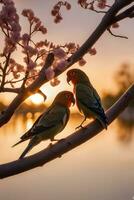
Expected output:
(99, 169)
(76, 27)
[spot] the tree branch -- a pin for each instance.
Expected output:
(70, 142)
(107, 20)
(13, 90)
(127, 13)
(4, 71)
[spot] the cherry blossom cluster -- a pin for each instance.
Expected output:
(93, 5)
(61, 60)
(29, 49)
(15, 68)
(61, 55)
(34, 53)
(9, 24)
(102, 4)
(56, 10)
(34, 21)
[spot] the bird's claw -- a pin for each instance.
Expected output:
(80, 126)
(50, 145)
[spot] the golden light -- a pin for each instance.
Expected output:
(36, 99)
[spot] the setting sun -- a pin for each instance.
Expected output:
(36, 99)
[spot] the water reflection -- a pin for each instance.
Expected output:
(125, 130)
(100, 169)
(22, 123)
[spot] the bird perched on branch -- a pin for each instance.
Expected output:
(50, 123)
(87, 98)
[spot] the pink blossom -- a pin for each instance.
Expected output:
(15, 36)
(71, 47)
(43, 29)
(6, 2)
(54, 12)
(61, 65)
(82, 1)
(31, 51)
(15, 74)
(40, 44)
(25, 37)
(9, 46)
(115, 25)
(49, 73)
(54, 82)
(101, 4)
(59, 53)
(58, 18)
(12, 61)
(31, 65)
(92, 51)
(46, 43)
(52, 46)
(15, 26)
(36, 19)
(37, 26)
(82, 62)
(20, 68)
(68, 5)
(28, 13)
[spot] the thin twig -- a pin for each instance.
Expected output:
(4, 71)
(22, 79)
(13, 90)
(118, 36)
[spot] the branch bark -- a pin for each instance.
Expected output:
(70, 142)
(108, 19)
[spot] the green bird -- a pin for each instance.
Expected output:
(87, 98)
(50, 123)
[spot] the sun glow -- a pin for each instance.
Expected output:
(36, 99)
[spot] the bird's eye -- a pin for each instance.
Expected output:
(67, 96)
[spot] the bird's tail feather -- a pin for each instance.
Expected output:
(28, 148)
(103, 120)
(18, 143)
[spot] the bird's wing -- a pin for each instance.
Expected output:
(27, 135)
(55, 115)
(89, 98)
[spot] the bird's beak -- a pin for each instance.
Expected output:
(68, 80)
(73, 101)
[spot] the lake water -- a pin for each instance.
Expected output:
(100, 169)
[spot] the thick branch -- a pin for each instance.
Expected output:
(127, 13)
(69, 143)
(107, 20)
(13, 90)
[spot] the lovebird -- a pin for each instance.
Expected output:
(50, 123)
(87, 98)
